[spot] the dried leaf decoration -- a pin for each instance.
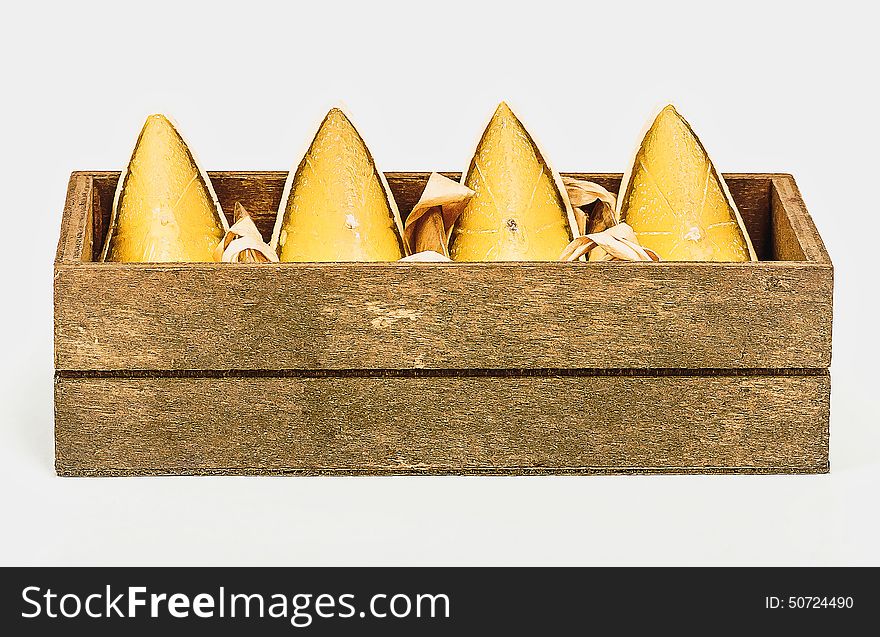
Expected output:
(602, 237)
(429, 225)
(582, 193)
(243, 242)
(617, 242)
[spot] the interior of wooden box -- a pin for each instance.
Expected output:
(260, 193)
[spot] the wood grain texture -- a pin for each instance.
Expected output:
(491, 368)
(442, 425)
(794, 234)
(441, 316)
(76, 241)
(112, 316)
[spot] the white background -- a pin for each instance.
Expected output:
(768, 87)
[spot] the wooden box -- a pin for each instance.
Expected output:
(418, 368)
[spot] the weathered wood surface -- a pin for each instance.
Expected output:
(442, 368)
(766, 315)
(441, 316)
(794, 237)
(439, 425)
(75, 244)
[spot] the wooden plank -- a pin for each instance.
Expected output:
(764, 315)
(785, 240)
(75, 241)
(442, 316)
(441, 425)
(797, 234)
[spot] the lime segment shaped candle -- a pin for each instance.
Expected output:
(676, 202)
(336, 205)
(520, 211)
(165, 209)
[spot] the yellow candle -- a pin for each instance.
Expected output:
(336, 205)
(165, 208)
(520, 212)
(676, 202)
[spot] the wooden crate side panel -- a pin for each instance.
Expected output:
(76, 239)
(441, 316)
(799, 235)
(454, 425)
